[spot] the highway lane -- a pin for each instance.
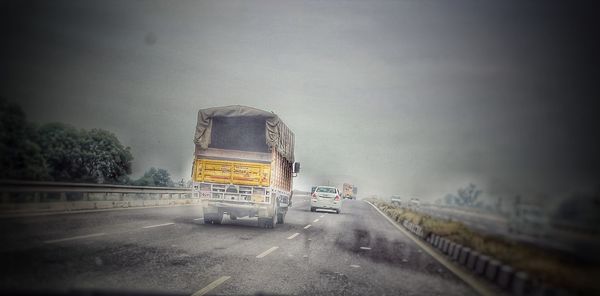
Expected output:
(170, 249)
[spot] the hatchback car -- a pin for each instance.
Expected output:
(326, 197)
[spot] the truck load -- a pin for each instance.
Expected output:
(243, 165)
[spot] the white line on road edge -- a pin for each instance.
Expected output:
(267, 252)
(293, 235)
(354, 265)
(73, 238)
(365, 248)
(307, 226)
(316, 220)
(477, 285)
(158, 225)
(211, 286)
(198, 218)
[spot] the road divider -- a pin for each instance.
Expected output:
(483, 288)
(267, 252)
(74, 238)
(211, 286)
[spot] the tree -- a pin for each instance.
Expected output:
(20, 156)
(468, 195)
(155, 177)
(104, 158)
(84, 156)
(61, 148)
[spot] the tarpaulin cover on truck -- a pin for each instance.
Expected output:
(277, 134)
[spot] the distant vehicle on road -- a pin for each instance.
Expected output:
(243, 165)
(348, 191)
(326, 197)
(414, 203)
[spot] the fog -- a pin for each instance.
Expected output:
(405, 97)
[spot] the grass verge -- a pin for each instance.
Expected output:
(550, 267)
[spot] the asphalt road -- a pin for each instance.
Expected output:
(171, 250)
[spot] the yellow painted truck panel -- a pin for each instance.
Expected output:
(232, 172)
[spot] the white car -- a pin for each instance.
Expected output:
(326, 197)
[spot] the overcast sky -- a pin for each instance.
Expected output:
(399, 97)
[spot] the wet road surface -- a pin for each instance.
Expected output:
(171, 250)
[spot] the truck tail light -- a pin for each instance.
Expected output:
(337, 197)
(314, 196)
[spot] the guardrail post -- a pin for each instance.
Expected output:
(520, 283)
(456, 252)
(445, 246)
(451, 248)
(492, 269)
(464, 255)
(481, 264)
(472, 260)
(504, 276)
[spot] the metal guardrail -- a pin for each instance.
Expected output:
(29, 196)
(32, 186)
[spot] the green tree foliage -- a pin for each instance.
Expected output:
(20, 155)
(155, 177)
(84, 156)
(59, 152)
(105, 159)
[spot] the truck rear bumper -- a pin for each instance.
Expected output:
(238, 209)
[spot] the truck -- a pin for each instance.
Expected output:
(243, 165)
(347, 191)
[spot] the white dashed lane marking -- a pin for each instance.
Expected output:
(307, 226)
(316, 220)
(158, 225)
(211, 286)
(365, 248)
(52, 241)
(293, 235)
(267, 252)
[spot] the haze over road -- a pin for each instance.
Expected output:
(169, 249)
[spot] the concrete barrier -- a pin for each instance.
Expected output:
(441, 243)
(520, 284)
(481, 265)
(465, 253)
(472, 260)
(451, 248)
(456, 252)
(445, 246)
(436, 239)
(505, 274)
(492, 269)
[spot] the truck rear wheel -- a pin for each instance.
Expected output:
(213, 218)
(312, 209)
